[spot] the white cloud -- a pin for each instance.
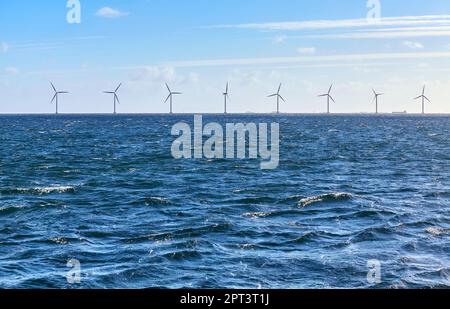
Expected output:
(308, 59)
(422, 65)
(240, 77)
(193, 78)
(69, 42)
(159, 74)
(306, 50)
(427, 28)
(108, 12)
(11, 71)
(344, 23)
(279, 39)
(152, 73)
(375, 35)
(4, 47)
(386, 28)
(413, 45)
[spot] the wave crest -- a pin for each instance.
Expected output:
(329, 197)
(437, 231)
(153, 201)
(39, 190)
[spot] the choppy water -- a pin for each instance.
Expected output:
(106, 191)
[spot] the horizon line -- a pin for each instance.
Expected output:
(230, 114)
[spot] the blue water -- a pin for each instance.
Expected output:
(105, 190)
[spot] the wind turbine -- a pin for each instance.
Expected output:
(375, 98)
(171, 94)
(328, 95)
(226, 97)
(278, 98)
(55, 97)
(116, 98)
(423, 97)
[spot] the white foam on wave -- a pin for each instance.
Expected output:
(47, 190)
(437, 231)
(329, 197)
(59, 240)
(156, 200)
(257, 214)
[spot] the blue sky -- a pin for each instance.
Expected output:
(197, 46)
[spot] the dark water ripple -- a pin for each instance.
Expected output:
(106, 191)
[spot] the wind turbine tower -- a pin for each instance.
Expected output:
(116, 98)
(329, 97)
(375, 98)
(170, 97)
(423, 97)
(226, 97)
(278, 96)
(55, 97)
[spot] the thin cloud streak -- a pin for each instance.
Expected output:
(108, 12)
(343, 23)
(375, 35)
(53, 44)
(308, 59)
(429, 28)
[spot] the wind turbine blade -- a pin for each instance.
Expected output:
(332, 99)
(53, 86)
(279, 88)
(423, 91)
(54, 97)
(108, 92)
(282, 98)
(331, 87)
(226, 90)
(417, 97)
(168, 88)
(374, 92)
(426, 99)
(177, 93)
(117, 98)
(168, 98)
(272, 95)
(118, 87)
(62, 92)
(323, 95)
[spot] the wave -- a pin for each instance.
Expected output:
(329, 197)
(153, 201)
(278, 213)
(182, 255)
(39, 190)
(10, 209)
(373, 234)
(313, 236)
(251, 200)
(257, 214)
(437, 231)
(59, 240)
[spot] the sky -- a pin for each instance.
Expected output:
(198, 46)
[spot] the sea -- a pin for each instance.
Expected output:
(98, 201)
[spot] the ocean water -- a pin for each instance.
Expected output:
(105, 190)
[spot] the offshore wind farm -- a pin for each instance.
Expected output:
(226, 96)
